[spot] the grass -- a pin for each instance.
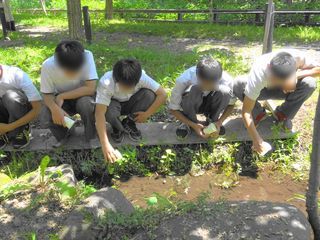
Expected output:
(246, 33)
(163, 65)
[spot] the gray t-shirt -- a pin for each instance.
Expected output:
(108, 89)
(258, 76)
(188, 79)
(16, 79)
(53, 80)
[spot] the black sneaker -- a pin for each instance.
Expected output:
(131, 128)
(183, 131)
(3, 141)
(117, 136)
(22, 139)
(222, 131)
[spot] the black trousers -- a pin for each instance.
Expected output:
(212, 105)
(139, 102)
(14, 104)
(83, 106)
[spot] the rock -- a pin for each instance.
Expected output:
(80, 226)
(66, 170)
(236, 220)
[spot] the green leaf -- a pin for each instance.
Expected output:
(4, 179)
(43, 166)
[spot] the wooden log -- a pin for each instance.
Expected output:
(269, 27)
(109, 9)
(157, 134)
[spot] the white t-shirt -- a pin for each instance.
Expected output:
(108, 89)
(54, 81)
(16, 79)
(258, 76)
(189, 78)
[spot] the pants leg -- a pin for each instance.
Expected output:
(59, 132)
(113, 114)
(139, 102)
(4, 115)
(17, 105)
(216, 103)
(85, 107)
(294, 100)
(191, 103)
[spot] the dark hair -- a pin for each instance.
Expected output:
(283, 65)
(127, 71)
(70, 55)
(209, 69)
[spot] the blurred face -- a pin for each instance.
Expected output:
(207, 85)
(285, 84)
(125, 88)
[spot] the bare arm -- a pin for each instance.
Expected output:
(313, 72)
(56, 111)
(227, 112)
(88, 89)
(258, 143)
(161, 97)
(107, 149)
(31, 115)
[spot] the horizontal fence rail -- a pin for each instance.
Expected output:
(213, 15)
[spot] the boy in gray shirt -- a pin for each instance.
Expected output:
(287, 74)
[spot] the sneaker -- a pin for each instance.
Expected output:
(261, 117)
(284, 120)
(117, 136)
(222, 131)
(3, 141)
(131, 128)
(22, 139)
(183, 131)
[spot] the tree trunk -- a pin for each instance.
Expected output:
(75, 19)
(312, 193)
(109, 9)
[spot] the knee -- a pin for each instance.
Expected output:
(148, 95)
(12, 97)
(239, 86)
(45, 117)
(309, 84)
(85, 105)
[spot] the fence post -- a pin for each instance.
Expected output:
(257, 19)
(269, 27)
(87, 24)
(180, 16)
(3, 22)
(109, 9)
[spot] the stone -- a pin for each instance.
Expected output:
(80, 226)
(235, 220)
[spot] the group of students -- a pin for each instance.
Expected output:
(127, 95)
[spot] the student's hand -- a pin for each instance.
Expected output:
(259, 146)
(109, 153)
(198, 128)
(59, 100)
(4, 128)
(141, 117)
(58, 116)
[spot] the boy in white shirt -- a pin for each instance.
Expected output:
(68, 83)
(286, 74)
(20, 103)
(202, 89)
(125, 91)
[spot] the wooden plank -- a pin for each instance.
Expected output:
(157, 134)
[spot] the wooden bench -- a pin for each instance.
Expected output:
(156, 134)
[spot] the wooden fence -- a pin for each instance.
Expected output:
(213, 15)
